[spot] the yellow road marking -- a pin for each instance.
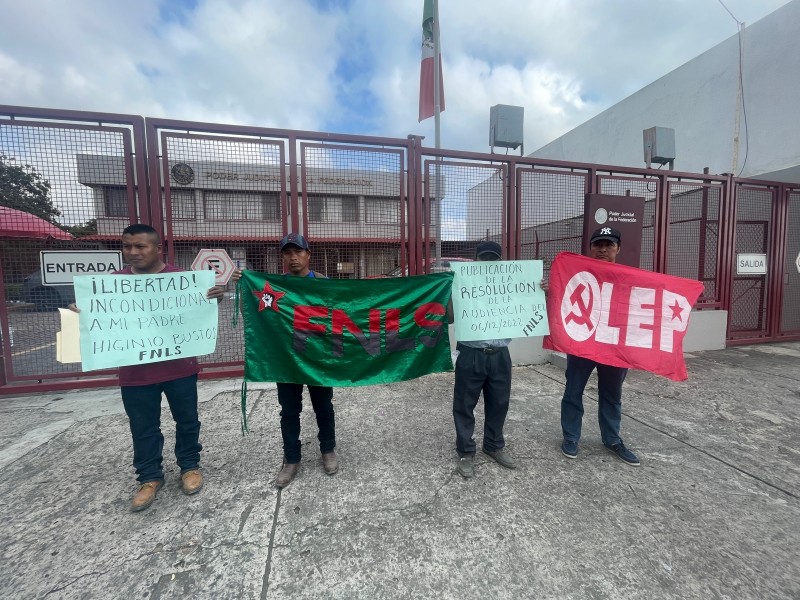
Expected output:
(33, 349)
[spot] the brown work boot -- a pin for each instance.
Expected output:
(191, 481)
(330, 463)
(287, 474)
(145, 495)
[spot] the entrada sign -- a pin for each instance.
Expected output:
(60, 266)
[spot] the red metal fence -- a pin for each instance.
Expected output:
(370, 207)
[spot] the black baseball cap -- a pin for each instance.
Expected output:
(488, 247)
(606, 233)
(294, 239)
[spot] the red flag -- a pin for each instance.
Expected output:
(619, 315)
(427, 101)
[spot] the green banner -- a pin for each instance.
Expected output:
(344, 332)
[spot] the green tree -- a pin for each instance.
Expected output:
(22, 187)
(82, 229)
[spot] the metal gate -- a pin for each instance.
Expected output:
(55, 185)
(371, 207)
(243, 188)
(755, 296)
(789, 281)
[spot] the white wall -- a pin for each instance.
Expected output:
(706, 332)
(699, 101)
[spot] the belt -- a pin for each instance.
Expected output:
(485, 350)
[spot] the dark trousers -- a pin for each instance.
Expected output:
(143, 407)
(290, 397)
(476, 372)
(609, 410)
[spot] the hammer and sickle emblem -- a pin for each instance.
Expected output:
(585, 316)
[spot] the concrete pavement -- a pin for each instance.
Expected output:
(713, 511)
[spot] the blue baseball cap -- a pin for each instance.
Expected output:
(294, 239)
(606, 233)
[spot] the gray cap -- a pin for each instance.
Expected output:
(488, 247)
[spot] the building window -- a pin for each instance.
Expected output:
(316, 208)
(239, 206)
(327, 209)
(382, 210)
(272, 207)
(183, 205)
(349, 209)
(116, 201)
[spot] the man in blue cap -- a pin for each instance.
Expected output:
(296, 256)
(604, 244)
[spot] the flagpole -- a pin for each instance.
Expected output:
(437, 109)
(437, 105)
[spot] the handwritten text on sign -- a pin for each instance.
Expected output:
(497, 300)
(137, 319)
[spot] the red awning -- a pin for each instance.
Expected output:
(19, 224)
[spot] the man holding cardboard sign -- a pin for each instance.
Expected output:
(143, 384)
(482, 366)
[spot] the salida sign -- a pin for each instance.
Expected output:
(345, 332)
(751, 264)
(619, 315)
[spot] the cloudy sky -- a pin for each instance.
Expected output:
(352, 66)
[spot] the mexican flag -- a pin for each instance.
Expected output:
(427, 101)
(330, 332)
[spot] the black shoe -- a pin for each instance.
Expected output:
(569, 449)
(625, 455)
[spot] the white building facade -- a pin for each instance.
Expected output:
(731, 120)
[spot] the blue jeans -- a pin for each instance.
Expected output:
(290, 397)
(609, 410)
(143, 407)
